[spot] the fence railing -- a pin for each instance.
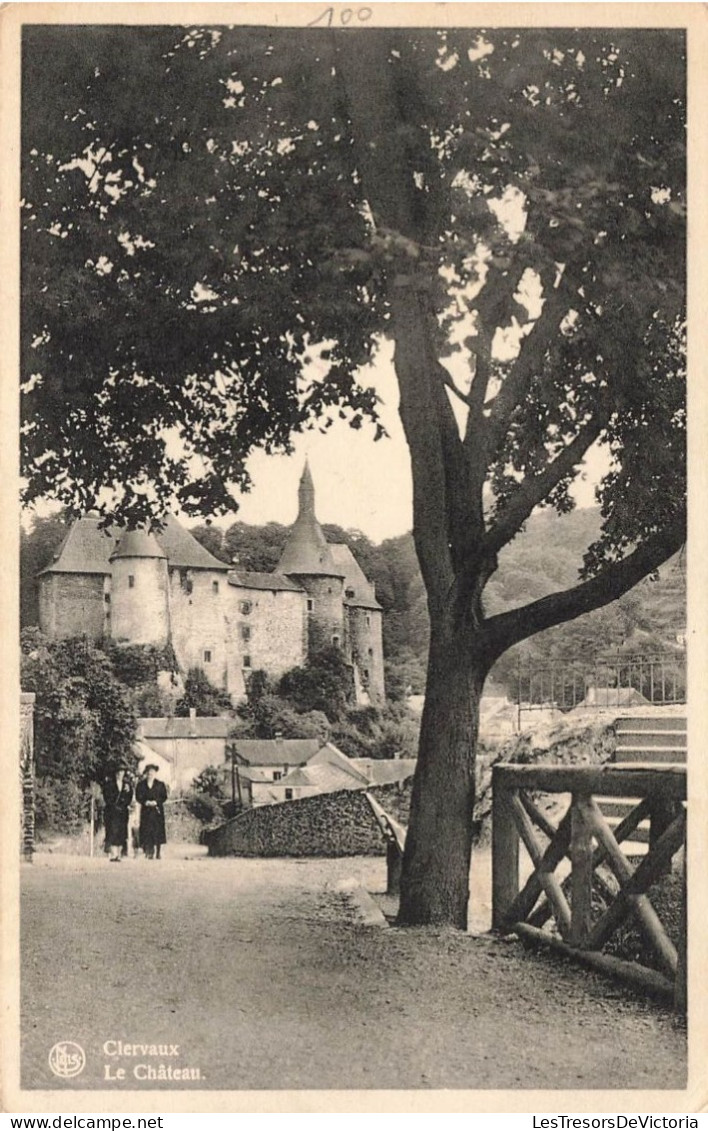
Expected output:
(583, 924)
(610, 681)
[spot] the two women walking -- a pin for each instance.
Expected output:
(151, 795)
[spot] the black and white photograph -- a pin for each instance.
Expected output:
(355, 655)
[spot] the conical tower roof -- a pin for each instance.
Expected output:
(138, 544)
(307, 550)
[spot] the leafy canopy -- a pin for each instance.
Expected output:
(217, 223)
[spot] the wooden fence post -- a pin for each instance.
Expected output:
(681, 982)
(505, 852)
(581, 856)
(394, 866)
(662, 811)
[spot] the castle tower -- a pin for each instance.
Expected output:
(308, 559)
(139, 590)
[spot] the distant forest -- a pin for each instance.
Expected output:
(546, 556)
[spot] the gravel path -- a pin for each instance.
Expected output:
(261, 975)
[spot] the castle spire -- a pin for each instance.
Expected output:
(306, 550)
(306, 493)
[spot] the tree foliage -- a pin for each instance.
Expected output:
(202, 696)
(203, 159)
(84, 721)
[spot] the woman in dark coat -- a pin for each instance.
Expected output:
(118, 797)
(151, 794)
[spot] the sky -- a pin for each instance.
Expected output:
(361, 484)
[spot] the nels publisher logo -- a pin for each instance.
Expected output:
(67, 1059)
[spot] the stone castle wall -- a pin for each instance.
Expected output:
(267, 630)
(326, 618)
(72, 604)
(332, 824)
(139, 610)
(366, 644)
(198, 628)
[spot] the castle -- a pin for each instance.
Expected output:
(167, 589)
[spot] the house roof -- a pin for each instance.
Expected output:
(253, 774)
(85, 549)
(382, 771)
(276, 751)
(324, 777)
(268, 581)
(183, 550)
(359, 592)
(88, 549)
(200, 727)
(138, 544)
(146, 753)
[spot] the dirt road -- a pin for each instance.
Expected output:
(260, 976)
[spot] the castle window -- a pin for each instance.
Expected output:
(335, 640)
(349, 592)
(207, 656)
(277, 775)
(288, 795)
(368, 621)
(107, 598)
(215, 586)
(245, 632)
(371, 651)
(131, 581)
(246, 608)
(366, 673)
(310, 605)
(246, 661)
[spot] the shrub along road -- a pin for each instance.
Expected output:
(261, 976)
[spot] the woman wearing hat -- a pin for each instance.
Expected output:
(151, 795)
(118, 797)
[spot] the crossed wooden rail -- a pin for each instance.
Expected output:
(395, 837)
(585, 837)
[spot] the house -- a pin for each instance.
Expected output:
(183, 747)
(267, 771)
(261, 766)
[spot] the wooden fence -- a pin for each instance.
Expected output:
(27, 699)
(597, 864)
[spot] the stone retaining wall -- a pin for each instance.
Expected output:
(330, 824)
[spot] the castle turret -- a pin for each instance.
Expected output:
(139, 590)
(308, 558)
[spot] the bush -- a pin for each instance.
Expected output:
(201, 695)
(323, 684)
(61, 806)
(208, 800)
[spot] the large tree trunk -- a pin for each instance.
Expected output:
(436, 864)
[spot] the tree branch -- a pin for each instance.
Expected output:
(450, 384)
(535, 489)
(616, 578)
(527, 364)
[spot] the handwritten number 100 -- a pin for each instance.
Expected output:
(344, 17)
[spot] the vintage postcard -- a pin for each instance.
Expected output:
(354, 637)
